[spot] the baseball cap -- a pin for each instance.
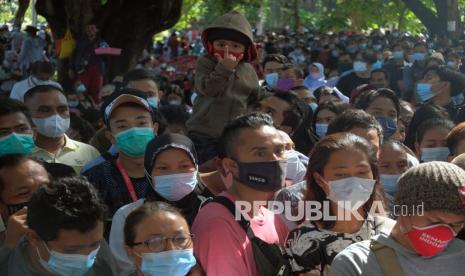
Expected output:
(126, 95)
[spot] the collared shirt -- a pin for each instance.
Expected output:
(74, 154)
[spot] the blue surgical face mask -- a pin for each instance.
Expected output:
(313, 106)
(272, 80)
(389, 182)
(418, 56)
(174, 187)
(133, 141)
(321, 129)
(352, 49)
(173, 263)
(68, 264)
(73, 104)
(360, 66)
(16, 143)
(377, 47)
(81, 88)
(377, 65)
(389, 126)
(424, 91)
(398, 55)
(153, 102)
(362, 46)
(434, 154)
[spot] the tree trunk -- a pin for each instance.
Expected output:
(19, 16)
(426, 16)
(296, 14)
(125, 24)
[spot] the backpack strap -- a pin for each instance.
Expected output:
(387, 259)
(228, 204)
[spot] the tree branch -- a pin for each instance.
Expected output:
(426, 16)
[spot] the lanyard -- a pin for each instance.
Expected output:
(127, 180)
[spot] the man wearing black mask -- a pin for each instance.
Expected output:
(256, 161)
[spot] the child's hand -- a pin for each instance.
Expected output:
(229, 61)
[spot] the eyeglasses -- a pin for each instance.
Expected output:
(158, 244)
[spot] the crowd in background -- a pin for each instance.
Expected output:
(138, 175)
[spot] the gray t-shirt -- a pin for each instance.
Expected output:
(358, 259)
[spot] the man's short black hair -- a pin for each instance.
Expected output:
(11, 161)
(276, 58)
(367, 97)
(175, 114)
(231, 132)
(139, 74)
(9, 106)
(41, 89)
(42, 67)
(355, 118)
(296, 113)
(70, 203)
(447, 74)
(380, 70)
(112, 97)
(430, 124)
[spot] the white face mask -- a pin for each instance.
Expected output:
(53, 126)
(352, 192)
(295, 169)
(174, 187)
(434, 154)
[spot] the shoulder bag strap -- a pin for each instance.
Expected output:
(387, 259)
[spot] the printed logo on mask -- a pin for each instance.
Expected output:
(430, 240)
(257, 179)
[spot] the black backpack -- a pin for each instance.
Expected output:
(268, 257)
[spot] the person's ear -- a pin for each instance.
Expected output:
(155, 128)
(321, 182)
(230, 166)
(133, 256)
(110, 136)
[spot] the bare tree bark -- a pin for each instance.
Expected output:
(426, 16)
(19, 16)
(295, 6)
(125, 24)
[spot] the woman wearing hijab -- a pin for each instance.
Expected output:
(316, 78)
(171, 166)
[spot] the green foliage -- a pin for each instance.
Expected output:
(8, 10)
(325, 15)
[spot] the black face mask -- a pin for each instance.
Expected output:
(263, 176)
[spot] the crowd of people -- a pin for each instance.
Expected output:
(179, 166)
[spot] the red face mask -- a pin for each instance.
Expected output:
(431, 240)
(221, 53)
